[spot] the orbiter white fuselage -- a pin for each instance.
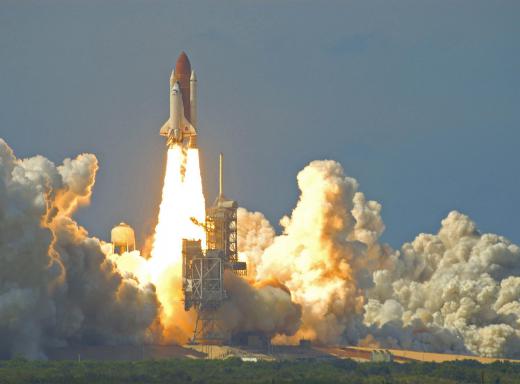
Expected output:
(178, 129)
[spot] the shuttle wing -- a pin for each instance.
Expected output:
(188, 128)
(165, 128)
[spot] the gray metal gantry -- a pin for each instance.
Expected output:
(203, 286)
(203, 270)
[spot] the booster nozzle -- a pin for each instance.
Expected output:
(193, 141)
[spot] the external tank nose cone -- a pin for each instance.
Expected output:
(183, 66)
(182, 75)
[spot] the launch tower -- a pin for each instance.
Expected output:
(203, 270)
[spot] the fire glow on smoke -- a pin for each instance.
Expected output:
(326, 277)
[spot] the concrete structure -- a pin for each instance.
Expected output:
(122, 238)
(180, 128)
(381, 356)
(251, 340)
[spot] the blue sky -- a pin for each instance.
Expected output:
(418, 100)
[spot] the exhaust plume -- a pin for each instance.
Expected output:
(56, 285)
(313, 257)
(455, 291)
(326, 277)
(263, 306)
(459, 280)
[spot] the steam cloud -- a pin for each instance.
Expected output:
(56, 285)
(458, 290)
(459, 280)
(263, 306)
(327, 277)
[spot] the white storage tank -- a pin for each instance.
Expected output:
(122, 238)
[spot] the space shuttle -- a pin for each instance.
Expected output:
(180, 128)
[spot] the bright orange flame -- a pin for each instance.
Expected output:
(182, 199)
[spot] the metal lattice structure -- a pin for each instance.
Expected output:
(203, 270)
(221, 233)
(203, 286)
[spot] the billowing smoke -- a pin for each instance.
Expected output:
(314, 257)
(56, 284)
(457, 291)
(263, 306)
(326, 277)
(459, 280)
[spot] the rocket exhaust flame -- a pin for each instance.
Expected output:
(182, 200)
(181, 210)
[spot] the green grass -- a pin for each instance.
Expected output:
(236, 371)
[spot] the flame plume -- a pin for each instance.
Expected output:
(182, 199)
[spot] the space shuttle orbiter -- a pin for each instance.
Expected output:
(180, 128)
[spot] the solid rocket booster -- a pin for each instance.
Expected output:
(193, 99)
(180, 128)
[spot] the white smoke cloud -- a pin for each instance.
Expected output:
(56, 284)
(255, 234)
(458, 290)
(459, 280)
(264, 306)
(326, 277)
(314, 256)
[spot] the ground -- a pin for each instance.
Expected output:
(236, 371)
